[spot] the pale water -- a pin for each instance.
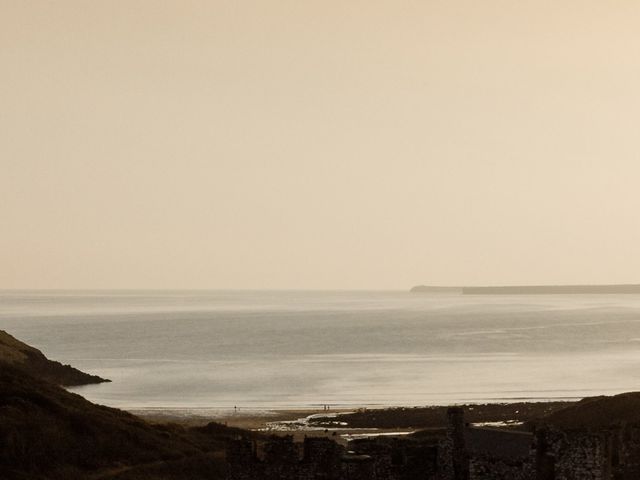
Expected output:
(201, 349)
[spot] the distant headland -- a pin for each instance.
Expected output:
(534, 290)
(431, 289)
(32, 361)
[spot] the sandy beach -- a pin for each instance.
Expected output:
(346, 424)
(247, 418)
(296, 422)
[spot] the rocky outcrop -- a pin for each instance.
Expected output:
(32, 361)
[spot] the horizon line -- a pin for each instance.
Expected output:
(294, 289)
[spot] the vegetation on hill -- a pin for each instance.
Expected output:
(598, 412)
(48, 433)
(436, 416)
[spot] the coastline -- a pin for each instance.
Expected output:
(355, 421)
(295, 423)
(249, 418)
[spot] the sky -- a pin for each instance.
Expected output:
(318, 144)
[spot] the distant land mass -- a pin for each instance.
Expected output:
(534, 290)
(553, 290)
(431, 289)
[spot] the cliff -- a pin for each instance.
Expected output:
(534, 290)
(32, 361)
(554, 290)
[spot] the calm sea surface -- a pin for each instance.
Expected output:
(216, 349)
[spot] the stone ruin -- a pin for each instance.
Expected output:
(462, 453)
(280, 458)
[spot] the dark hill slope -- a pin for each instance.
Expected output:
(33, 361)
(49, 433)
(598, 412)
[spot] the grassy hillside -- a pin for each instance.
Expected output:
(49, 433)
(599, 412)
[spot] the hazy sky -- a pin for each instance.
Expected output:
(324, 144)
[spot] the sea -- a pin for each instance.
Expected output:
(303, 349)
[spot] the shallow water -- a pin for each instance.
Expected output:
(217, 349)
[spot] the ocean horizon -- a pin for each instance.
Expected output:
(216, 349)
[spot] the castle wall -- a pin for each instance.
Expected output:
(483, 468)
(463, 454)
(453, 457)
(573, 455)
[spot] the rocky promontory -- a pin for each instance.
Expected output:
(32, 361)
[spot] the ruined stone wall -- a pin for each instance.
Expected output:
(498, 454)
(497, 469)
(571, 455)
(279, 459)
(611, 453)
(380, 453)
(241, 460)
(322, 459)
(453, 457)
(445, 457)
(625, 453)
(374, 459)
(419, 461)
(400, 458)
(358, 468)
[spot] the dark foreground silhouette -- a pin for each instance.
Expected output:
(49, 433)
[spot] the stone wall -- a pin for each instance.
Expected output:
(573, 455)
(321, 459)
(241, 460)
(463, 454)
(498, 454)
(486, 468)
(374, 459)
(453, 456)
(625, 454)
(400, 458)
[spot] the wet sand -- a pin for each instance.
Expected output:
(272, 422)
(346, 424)
(250, 419)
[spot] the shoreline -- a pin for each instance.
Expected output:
(289, 422)
(247, 418)
(355, 421)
